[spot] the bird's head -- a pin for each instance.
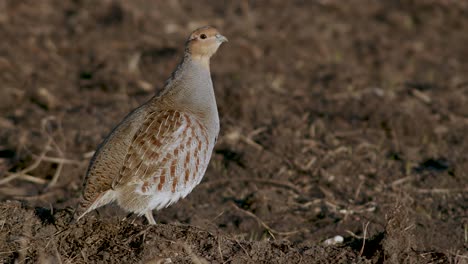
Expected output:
(204, 42)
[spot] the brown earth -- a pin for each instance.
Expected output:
(338, 118)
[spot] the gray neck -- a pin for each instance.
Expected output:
(190, 86)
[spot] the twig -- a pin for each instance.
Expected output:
(60, 164)
(353, 234)
(251, 142)
(243, 248)
(270, 230)
(57, 254)
(14, 251)
(56, 175)
(61, 160)
(9, 178)
(195, 258)
(219, 249)
(358, 190)
(23, 174)
(83, 255)
(402, 180)
(142, 232)
(364, 239)
(31, 178)
(465, 227)
(33, 166)
(441, 190)
(461, 256)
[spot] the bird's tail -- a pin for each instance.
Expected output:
(85, 207)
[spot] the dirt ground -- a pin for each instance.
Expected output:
(338, 118)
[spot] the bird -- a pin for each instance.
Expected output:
(160, 151)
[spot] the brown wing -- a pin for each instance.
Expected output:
(107, 162)
(165, 147)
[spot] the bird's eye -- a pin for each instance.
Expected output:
(203, 36)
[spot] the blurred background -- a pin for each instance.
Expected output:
(337, 117)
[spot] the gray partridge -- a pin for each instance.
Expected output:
(161, 150)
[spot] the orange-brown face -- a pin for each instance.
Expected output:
(204, 42)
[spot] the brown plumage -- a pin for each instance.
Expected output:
(161, 150)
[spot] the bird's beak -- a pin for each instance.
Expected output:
(220, 38)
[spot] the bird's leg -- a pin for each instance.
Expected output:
(149, 217)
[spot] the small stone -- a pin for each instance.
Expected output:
(46, 99)
(333, 241)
